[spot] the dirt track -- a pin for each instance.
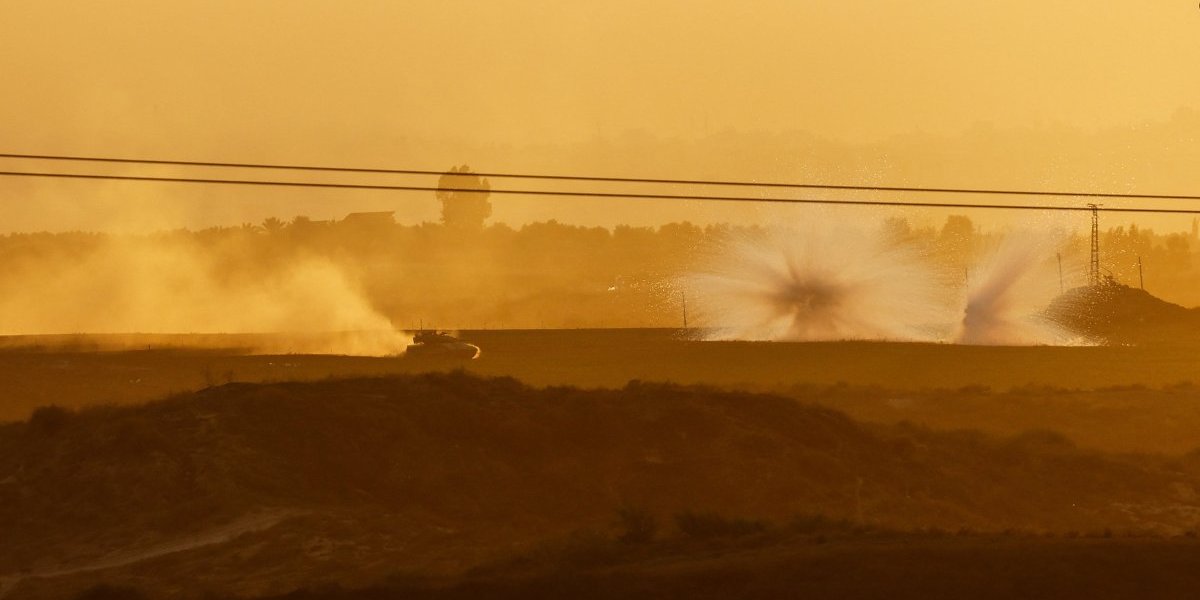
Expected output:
(217, 535)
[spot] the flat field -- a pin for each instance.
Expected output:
(83, 371)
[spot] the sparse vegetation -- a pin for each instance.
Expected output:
(110, 592)
(432, 471)
(900, 566)
(638, 526)
(48, 420)
(704, 525)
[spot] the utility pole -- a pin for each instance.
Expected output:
(1061, 289)
(1094, 264)
(1141, 279)
(683, 297)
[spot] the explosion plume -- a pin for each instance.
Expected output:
(818, 283)
(841, 282)
(1008, 292)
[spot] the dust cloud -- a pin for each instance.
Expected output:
(172, 285)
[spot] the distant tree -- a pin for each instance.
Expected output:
(957, 238)
(303, 227)
(958, 227)
(273, 225)
(1179, 251)
(897, 229)
(464, 198)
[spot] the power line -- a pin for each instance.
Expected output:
(416, 188)
(806, 186)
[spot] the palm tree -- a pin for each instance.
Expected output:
(273, 225)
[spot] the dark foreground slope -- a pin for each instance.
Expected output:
(875, 567)
(263, 488)
(1123, 419)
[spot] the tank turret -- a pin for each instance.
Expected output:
(441, 345)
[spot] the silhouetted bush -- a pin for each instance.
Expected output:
(975, 389)
(585, 549)
(110, 592)
(811, 524)
(49, 419)
(1041, 440)
(637, 525)
(581, 550)
(138, 437)
(709, 525)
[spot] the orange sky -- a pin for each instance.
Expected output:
(580, 87)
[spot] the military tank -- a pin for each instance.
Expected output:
(437, 344)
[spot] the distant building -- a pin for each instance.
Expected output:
(371, 219)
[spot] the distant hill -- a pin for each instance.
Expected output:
(1119, 314)
(442, 471)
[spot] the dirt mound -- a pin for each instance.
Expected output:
(1118, 314)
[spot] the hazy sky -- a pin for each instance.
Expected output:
(422, 83)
